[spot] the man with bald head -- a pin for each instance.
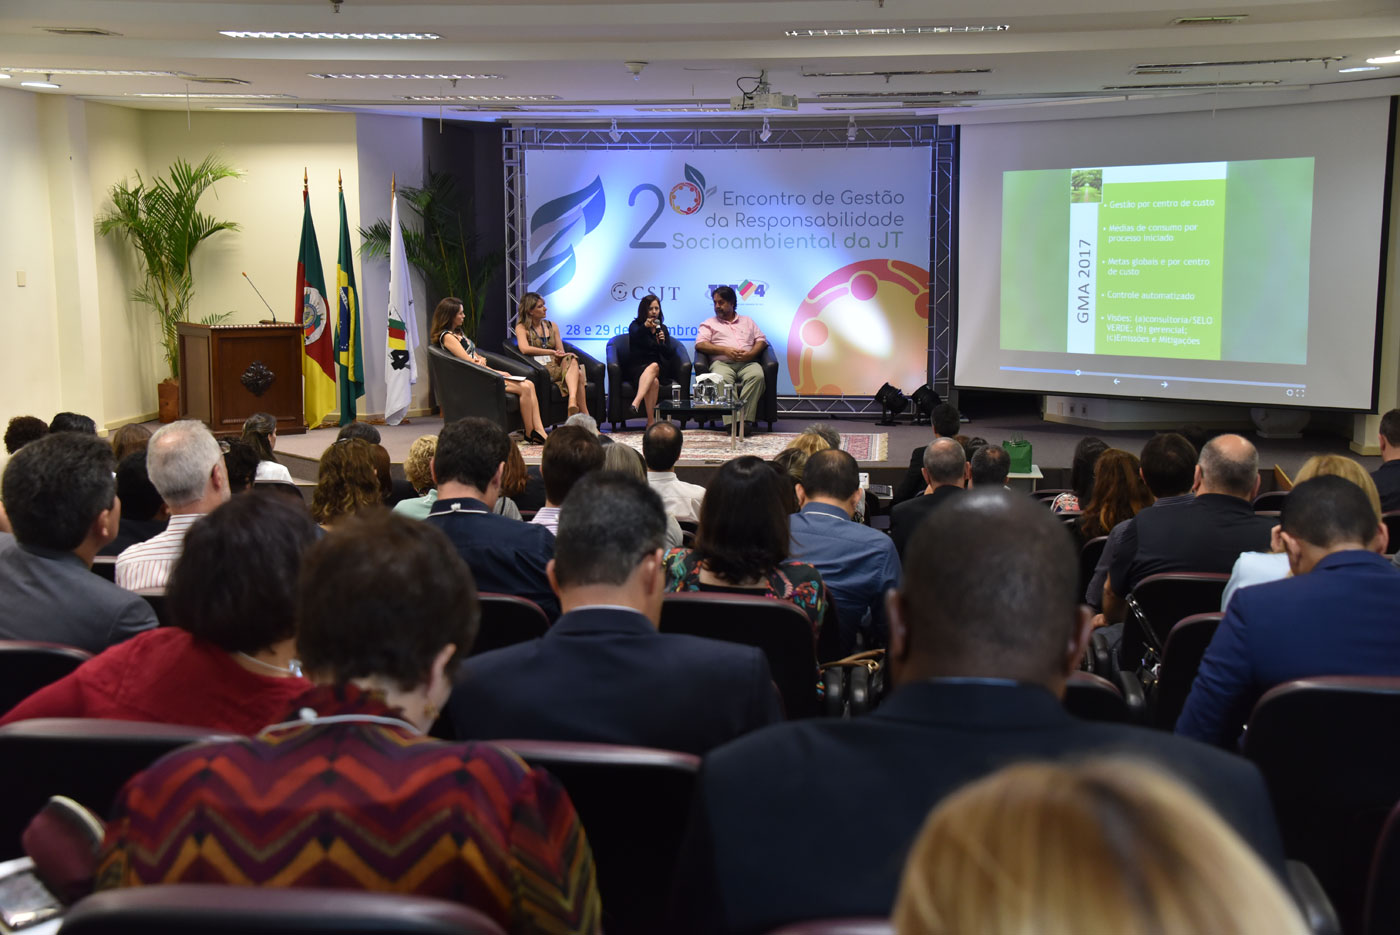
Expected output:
(984, 631)
(1207, 533)
(945, 473)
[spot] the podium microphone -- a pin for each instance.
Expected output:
(260, 296)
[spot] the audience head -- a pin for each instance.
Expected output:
(470, 452)
(235, 583)
(661, 445)
(1390, 434)
(991, 590)
(584, 421)
(1168, 464)
(624, 459)
(972, 444)
(60, 494)
(346, 482)
(1324, 515)
(240, 464)
(612, 532)
(1118, 491)
(130, 437)
(260, 433)
(516, 474)
(1081, 472)
(645, 305)
(186, 464)
(787, 482)
(743, 532)
(946, 420)
(359, 430)
(1107, 845)
(1196, 434)
(792, 461)
(73, 422)
(1228, 465)
(140, 499)
(1322, 466)
(445, 317)
(809, 443)
(945, 462)
(569, 453)
(832, 475)
(829, 434)
(989, 466)
(418, 466)
(383, 470)
(22, 430)
(386, 601)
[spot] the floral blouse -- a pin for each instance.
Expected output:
(797, 582)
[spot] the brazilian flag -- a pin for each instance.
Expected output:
(349, 353)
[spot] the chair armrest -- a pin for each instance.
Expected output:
(592, 367)
(511, 351)
(769, 360)
(1317, 910)
(1100, 654)
(1133, 695)
(702, 362)
(510, 364)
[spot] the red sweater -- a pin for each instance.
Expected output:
(168, 676)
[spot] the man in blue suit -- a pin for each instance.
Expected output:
(603, 673)
(1338, 615)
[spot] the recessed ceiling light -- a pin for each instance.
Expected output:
(251, 34)
(890, 31)
(112, 72)
(468, 98)
(1318, 59)
(1192, 85)
(1221, 20)
(209, 95)
(1347, 71)
(896, 74)
(4, 77)
(1384, 59)
(49, 85)
(866, 95)
(265, 109)
(442, 77)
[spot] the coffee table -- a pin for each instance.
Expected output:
(667, 408)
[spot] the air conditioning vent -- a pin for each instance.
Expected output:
(1245, 63)
(889, 95)
(887, 75)
(1223, 20)
(202, 79)
(1157, 71)
(79, 31)
(1192, 85)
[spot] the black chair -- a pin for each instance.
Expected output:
(1181, 657)
(1157, 602)
(156, 598)
(1094, 698)
(1048, 494)
(27, 666)
(1383, 884)
(768, 405)
(105, 566)
(1392, 523)
(554, 405)
(1268, 502)
(86, 759)
(621, 390)
(216, 909)
(776, 627)
(1070, 517)
(1325, 748)
(633, 803)
(507, 620)
(1089, 555)
(467, 389)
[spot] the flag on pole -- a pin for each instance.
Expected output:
(401, 370)
(318, 355)
(348, 350)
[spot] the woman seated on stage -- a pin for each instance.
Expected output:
(447, 334)
(651, 359)
(539, 338)
(741, 546)
(349, 791)
(228, 662)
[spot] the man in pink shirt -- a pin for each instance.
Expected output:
(734, 344)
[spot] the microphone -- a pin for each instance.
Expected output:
(260, 296)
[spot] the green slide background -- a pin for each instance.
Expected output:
(1034, 259)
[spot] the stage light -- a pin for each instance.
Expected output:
(924, 401)
(851, 130)
(766, 133)
(613, 133)
(892, 402)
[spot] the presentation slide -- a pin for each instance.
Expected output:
(1232, 257)
(827, 250)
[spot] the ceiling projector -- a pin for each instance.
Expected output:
(763, 100)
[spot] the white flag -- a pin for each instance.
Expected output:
(401, 369)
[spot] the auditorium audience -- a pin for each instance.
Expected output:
(602, 672)
(809, 443)
(359, 430)
(1387, 476)
(825, 432)
(661, 447)
(1118, 494)
(989, 466)
(522, 487)
(260, 434)
(1109, 845)
(61, 497)
(393, 490)
(187, 467)
(144, 513)
(240, 464)
(983, 634)
(562, 462)
(584, 421)
(72, 422)
(130, 437)
(418, 468)
(505, 555)
(742, 545)
(1335, 616)
(384, 611)
(228, 661)
(857, 563)
(624, 459)
(346, 481)
(946, 421)
(1081, 476)
(945, 471)
(22, 430)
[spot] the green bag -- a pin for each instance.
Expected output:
(1020, 451)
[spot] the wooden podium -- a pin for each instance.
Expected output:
(229, 372)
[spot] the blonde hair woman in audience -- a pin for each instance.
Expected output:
(129, 438)
(1103, 847)
(260, 434)
(624, 459)
(346, 483)
(418, 468)
(446, 332)
(1253, 568)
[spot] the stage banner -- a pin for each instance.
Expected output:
(827, 250)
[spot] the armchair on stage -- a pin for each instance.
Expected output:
(621, 391)
(467, 389)
(554, 405)
(768, 405)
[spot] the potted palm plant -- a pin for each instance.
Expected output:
(162, 221)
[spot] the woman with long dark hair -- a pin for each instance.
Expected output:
(260, 434)
(652, 356)
(446, 333)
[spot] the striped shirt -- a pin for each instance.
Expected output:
(548, 517)
(148, 564)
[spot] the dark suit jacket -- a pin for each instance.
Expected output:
(1387, 478)
(812, 819)
(605, 675)
(906, 517)
(1206, 533)
(1341, 618)
(913, 483)
(505, 555)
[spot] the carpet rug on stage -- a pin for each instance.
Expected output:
(708, 446)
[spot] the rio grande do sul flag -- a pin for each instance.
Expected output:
(400, 370)
(318, 345)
